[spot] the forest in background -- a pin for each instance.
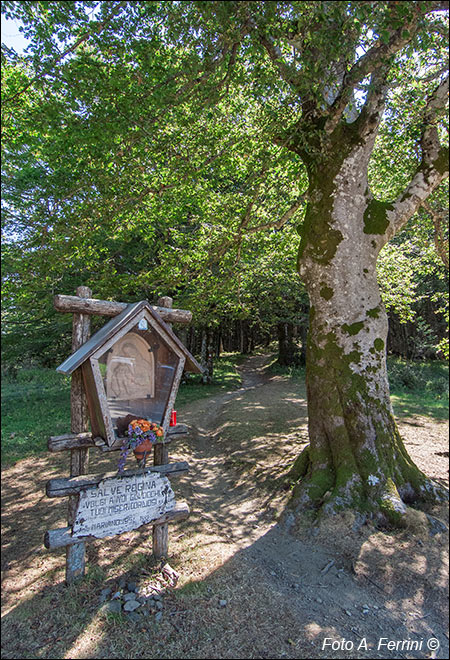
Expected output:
(195, 210)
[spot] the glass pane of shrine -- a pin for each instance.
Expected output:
(138, 373)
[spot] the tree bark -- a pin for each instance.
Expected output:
(356, 458)
(288, 352)
(207, 357)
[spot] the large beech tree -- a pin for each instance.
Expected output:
(250, 116)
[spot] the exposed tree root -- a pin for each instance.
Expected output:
(327, 490)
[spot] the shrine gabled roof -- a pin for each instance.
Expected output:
(114, 326)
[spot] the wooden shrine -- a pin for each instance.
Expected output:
(130, 369)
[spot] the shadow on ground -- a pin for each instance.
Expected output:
(249, 587)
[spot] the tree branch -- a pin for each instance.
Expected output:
(435, 105)
(433, 168)
(373, 108)
(278, 224)
(378, 55)
(440, 242)
(288, 73)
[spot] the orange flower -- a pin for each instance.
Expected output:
(145, 426)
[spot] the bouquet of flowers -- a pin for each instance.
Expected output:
(139, 437)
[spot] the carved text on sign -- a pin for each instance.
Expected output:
(120, 504)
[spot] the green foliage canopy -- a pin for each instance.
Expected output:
(146, 146)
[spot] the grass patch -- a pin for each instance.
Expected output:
(295, 373)
(419, 388)
(193, 588)
(36, 404)
(225, 377)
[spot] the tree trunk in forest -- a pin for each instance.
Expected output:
(209, 355)
(218, 347)
(251, 347)
(288, 352)
(356, 458)
(207, 358)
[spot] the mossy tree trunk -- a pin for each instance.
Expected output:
(356, 457)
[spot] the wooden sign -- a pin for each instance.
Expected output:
(120, 504)
(131, 366)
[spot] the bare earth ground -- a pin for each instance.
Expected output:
(249, 587)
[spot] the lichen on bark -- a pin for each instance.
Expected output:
(356, 458)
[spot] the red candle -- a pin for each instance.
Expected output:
(173, 418)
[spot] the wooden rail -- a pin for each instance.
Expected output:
(83, 440)
(60, 487)
(62, 537)
(78, 305)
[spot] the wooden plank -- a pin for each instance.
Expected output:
(75, 304)
(70, 441)
(81, 329)
(178, 429)
(98, 425)
(173, 394)
(160, 533)
(58, 538)
(103, 412)
(79, 440)
(61, 487)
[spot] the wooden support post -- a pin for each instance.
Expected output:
(75, 554)
(161, 457)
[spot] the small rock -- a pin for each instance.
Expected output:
(131, 605)
(158, 616)
(222, 603)
(436, 526)
(129, 597)
(326, 568)
(116, 595)
(132, 586)
(156, 596)
(114, 607)
(122, 583)
(159, 605)
(319, 600)
(348, 613)
(134, 616)
(365, 611)
(295, 585)
(104, 594)
(273, 573)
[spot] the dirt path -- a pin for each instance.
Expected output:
(248, 588)
(357, 586)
